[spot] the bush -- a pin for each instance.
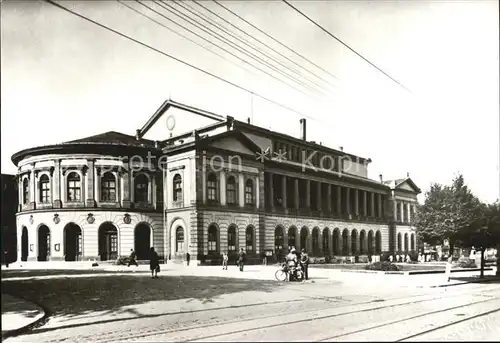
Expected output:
(382, 266)
(467, 263)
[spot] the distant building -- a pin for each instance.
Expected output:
(8, 217)
(224, 185)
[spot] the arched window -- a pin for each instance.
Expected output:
(315, 242)
(412, 242)
(231, 239)
(326, 247)
(44, 188)
(231, 190)
(249, 192)
(177, 187)
(406, 242)
(212, 240)
(179, 239)
(212, 187)
(378, 242)
(141, 183)
(249, 239)
(26, 191)
(74, 187)
(108, 187)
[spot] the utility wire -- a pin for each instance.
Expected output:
(347, 46)
(184, 36)
(274, 39)
(246, 42)
(222, 48)
(234, 46)
(180, 61)
(266, 45)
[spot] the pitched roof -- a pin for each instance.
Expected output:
(112, 137)
(395, 183)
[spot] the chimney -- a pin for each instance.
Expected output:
(341, 148)
(407, 174)
(381, 178)
(137, 134)
(248, 120)
(303, 129)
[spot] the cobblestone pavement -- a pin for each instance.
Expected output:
(205, 304)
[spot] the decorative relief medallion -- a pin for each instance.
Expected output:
(32, 220)
(90, 218)
(56, 218)
(127, 219)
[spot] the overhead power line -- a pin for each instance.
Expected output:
(264, 44)
(274, 39)
(220, 47)
(344, 44)
(212, 22)
(223, 39)
(184, 36)
(182, 62)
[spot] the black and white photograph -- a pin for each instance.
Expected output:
(250, 170)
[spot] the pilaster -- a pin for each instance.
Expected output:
(339, 199)
(271, 190)
(372, 204)
(56, 185)
(356, 202)
(365, 204)
(308, 193)
(90, 184)
(347, 200)
(379, 204)
(283, 191)
(222, 182)
(241, 191)
(329, 198)
(296, 194)
(318, 196)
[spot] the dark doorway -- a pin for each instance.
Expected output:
(72, 242)
(292, 236)
(43, 243)
(108, 242)
(142, 241)
(303, 238)
(24, 244)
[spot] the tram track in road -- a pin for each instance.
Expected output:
(257, 319)
(439, 311)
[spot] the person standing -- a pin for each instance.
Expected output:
(304, 260)
(225, 258)
(154, 263)
(241, 259)
(131, 258)
(6, 257)
(188, 258)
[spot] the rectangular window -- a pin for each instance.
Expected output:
(249, 194)
(44, 192)
(212, 190)
(231, 193)
(74, 191)
(108, 190)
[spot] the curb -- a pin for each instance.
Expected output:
(27, 328)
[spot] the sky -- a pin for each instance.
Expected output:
(64, 78)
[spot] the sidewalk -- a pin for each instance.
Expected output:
(19, 315)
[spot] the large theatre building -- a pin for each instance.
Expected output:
(193, 182)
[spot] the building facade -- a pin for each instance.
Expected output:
(218, 185)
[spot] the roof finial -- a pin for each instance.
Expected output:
(407, 174)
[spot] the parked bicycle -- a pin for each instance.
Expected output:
(285, 273)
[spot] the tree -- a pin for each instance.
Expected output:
(446, 210)
(484, 232)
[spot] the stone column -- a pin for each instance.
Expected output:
(356, 202)
(241, 190)
(203, 181)
(329, 198)
(402, 211)
(297, 194)
(339, 199)
(222, 188)
(97, 182)
(271, 191)
(365, 204)
(257, 192)
(379, 205)
(372, 205)
(347, 200)
(20, 194)
(283, 191)
(56, 185)
(32, 187)
(91, 184)
(308, 194)
(395, 210)
(126, 186)
(318, 196)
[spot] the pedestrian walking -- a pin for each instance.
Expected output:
(6, 258)
(132, 258)
(225, 258)
(188, 258)
(241, 259)
(154, 263)
(304, 259)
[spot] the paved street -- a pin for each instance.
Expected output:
(207, 304)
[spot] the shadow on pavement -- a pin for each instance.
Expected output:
(6, 274)
(476, 279)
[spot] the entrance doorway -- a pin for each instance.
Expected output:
(72, 242)
(142, 241)
(24, 244)
(108, 242)
(43, 243)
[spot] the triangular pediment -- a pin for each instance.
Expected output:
(233, 141)
(173, 119)
(408, 185)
